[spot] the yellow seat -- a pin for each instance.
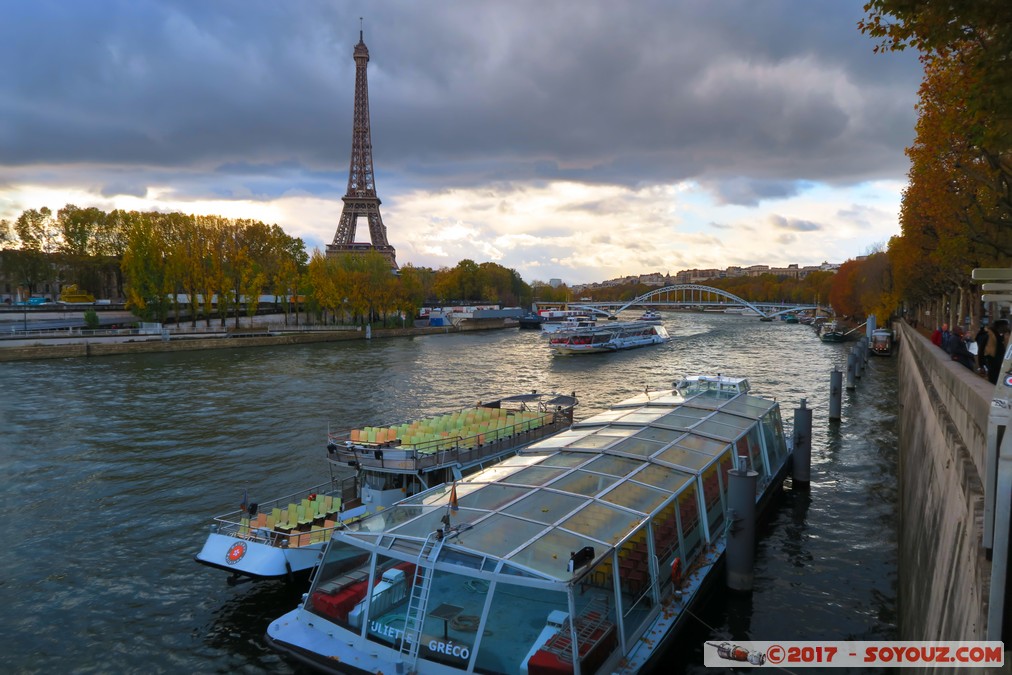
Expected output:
(244, 526)
(293, 517)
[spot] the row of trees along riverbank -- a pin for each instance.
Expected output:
(166, 264)
(956, 211)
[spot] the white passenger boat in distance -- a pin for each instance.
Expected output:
(610, 337)
(285, 536)
(581, 554)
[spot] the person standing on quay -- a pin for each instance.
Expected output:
(936, 337)
(994, 351)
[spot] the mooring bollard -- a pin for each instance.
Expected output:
(741, 485)
(835, 395)
(870, 326)
(851, 370)
(801, 471)
(368, 332)
(858, 362)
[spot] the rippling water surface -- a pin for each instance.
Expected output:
(112, 467)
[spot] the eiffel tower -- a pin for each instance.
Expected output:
(361, 201)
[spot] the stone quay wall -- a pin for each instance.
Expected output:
(944, 578)
(180, 343)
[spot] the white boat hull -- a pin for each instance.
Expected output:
(258, 559)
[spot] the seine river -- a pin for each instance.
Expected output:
(112, 467)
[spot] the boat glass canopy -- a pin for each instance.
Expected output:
(592, 485)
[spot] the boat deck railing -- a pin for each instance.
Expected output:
(298, 519)
(447, 449)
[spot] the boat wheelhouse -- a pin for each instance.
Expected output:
(285, 536)
(609, 338)
(581, 554)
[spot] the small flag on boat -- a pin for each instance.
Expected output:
(453, 497)
(245, 501)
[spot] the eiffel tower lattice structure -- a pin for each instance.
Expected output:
(361, 201)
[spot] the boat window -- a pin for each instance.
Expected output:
(545, 506)
(522, 460)
(492, 473)
(583, 483)
(637, 446)
(749, 445)
(388, 602)
(663, 477)
(664, 399)
(667, 543)
(689, 524)
(644, 415)
(596, 633)
(726, 463)
(694, 461)
(660, 435)
(593, 442)
(558, 440)
(717, 430)
(707, 446)
(433, 520)
(615, 466)
(634, 582)
(616, 431)
(748, 405)
(550, 554)
(601, 522)
(392, 517)
(491, 497)
(340, 583)
(522, 625)
(713, 499)
(637, 497)
(600, 418)
(566, 459)
(736, 421)
(498, 535)
(773, 434)
(708, 400)
(535, 475)
(453, 613)
(677, 421)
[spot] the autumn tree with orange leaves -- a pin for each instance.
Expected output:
(956, 212)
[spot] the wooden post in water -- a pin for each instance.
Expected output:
(741, 486)
(801, 467)
(835, 394)
(851, 370)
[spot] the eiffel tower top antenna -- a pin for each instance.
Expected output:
(361, 201)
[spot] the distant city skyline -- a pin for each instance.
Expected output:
(580, 142)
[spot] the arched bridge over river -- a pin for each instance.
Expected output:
(695, 296)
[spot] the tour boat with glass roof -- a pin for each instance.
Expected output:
(581, 554)
(609, 338)
(285, 536)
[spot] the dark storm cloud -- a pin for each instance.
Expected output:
(748, 98)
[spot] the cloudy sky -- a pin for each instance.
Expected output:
(579, 139)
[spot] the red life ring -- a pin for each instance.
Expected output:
(676, 572)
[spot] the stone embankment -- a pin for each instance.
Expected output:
(100, 346)
(945, 576)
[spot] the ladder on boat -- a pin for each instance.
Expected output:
(414, 620)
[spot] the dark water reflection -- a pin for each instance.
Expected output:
(111, 468)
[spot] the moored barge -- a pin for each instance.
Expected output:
(581, 554)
